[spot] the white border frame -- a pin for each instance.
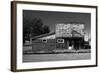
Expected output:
(35, 65)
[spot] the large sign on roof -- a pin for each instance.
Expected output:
(70, 30)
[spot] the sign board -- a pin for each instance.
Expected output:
(66, 30)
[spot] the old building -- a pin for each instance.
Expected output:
(66, 36)
(71, 35)
(45, 42)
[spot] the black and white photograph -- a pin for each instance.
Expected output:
(52, 36)
(55, 36)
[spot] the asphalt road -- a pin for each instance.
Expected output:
(56, 57)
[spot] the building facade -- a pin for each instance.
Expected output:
(67, 36)
(71, 35)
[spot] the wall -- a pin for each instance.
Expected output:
(39, 45)
(5, 37)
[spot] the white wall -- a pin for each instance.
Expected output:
(5, 37)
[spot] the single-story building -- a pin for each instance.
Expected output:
(62, 39)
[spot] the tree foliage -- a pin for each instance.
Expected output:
(33, 28)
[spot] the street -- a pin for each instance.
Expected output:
(56, 57)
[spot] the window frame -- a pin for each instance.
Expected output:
(60, 41)
(44, 41)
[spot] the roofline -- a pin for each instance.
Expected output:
(43, 35)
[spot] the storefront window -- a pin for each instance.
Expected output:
(44, 40)
(60, 40)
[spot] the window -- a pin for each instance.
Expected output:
(60, 40)
(44, 40)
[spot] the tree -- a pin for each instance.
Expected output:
(46, 29)
(37, 27)
(34, 27)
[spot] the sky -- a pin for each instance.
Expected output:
(50, 18)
